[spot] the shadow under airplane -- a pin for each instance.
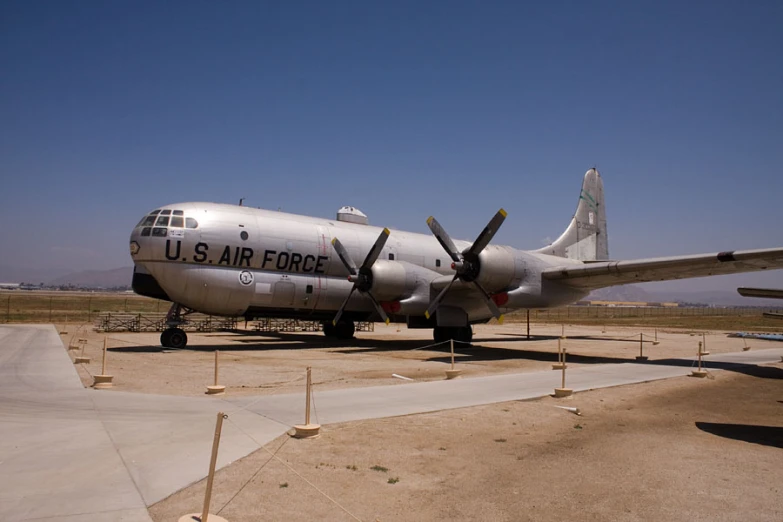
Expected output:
(764, 435)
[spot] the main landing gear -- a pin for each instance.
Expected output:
(342, 330)
(173, 336)
(462, 334)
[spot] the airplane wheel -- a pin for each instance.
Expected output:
(178, 339)
(345, 330)
(439, 334)
(330, 330)
(464, 334)
(164, 338)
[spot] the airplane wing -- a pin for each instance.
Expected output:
(609, 273)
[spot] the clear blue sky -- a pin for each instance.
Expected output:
(403, 109)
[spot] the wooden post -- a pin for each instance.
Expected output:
(562, 331)
(564, 369)
(307, 430)
(656, 335)
(451, 341)
(212, 462)
(217, 354)
(699, 372)
(309, 384)
(528, 323)
(8, 310)
(641, 348)
(105, 345)
(703, 349)
(50, 308)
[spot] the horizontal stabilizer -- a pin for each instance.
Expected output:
(610, 273)
(769, 293)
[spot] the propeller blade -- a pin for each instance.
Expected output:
(345, 257)
(342, 306)
(488, 233)
(436, 302)
(375, 251)
(490, 303)
(378, 307)
(443, 238)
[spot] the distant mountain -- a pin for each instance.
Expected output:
(715, 298)
(15, 274)
(620, 293)
(96, 278)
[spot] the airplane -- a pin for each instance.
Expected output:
(768, 293)
(234, 260)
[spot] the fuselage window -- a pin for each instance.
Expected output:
(391, 257)
(162, 221)
(165, 212)
(179, 213)
(145, 231)
(159, 232)
(309, 289)
(177, 221)
(191, 223)
(437, 262)
(243, 235)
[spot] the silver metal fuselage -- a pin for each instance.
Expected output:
(260, 263)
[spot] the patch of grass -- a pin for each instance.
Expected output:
(500, 440)
(352, 467)
(379, 468)
(393, 480)
(284, 485)
(442, 448)
(577, 426)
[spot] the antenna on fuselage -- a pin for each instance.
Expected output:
(240, 201)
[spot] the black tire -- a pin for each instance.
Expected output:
(345, 329)
(464, 334)
(330, 330)
(178, 339)
(439, 334)
(164, 338)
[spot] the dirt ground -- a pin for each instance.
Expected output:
(679, 449)
(253, 363)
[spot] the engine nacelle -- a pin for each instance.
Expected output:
(498, 268)
(392, 280)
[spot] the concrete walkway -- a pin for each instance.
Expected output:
(70, 453)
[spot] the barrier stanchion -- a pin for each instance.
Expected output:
(205, 515)
(452, 373)
(307, 430)
(216, 389)
(104, 380)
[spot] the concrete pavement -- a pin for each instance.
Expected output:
(70, 453)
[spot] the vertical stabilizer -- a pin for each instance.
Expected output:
(585, 238)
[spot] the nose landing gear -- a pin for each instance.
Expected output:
(173, 336)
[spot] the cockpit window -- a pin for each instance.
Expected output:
(165, 212)
(159, 232)
(177, 221)
(162, 221)
(155, 212)
(191, 223)
(179, 213)
(148, 221)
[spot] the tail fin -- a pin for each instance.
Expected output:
(585, 238)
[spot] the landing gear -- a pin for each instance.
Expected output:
(342, 330)
(174, 338)
(462, 334)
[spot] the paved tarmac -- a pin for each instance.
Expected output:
(70, 453)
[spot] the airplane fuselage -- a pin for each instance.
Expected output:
(233, 260)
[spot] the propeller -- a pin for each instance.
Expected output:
(466, 263)
(361, 277)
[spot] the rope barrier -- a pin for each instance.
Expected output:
(290, 468)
